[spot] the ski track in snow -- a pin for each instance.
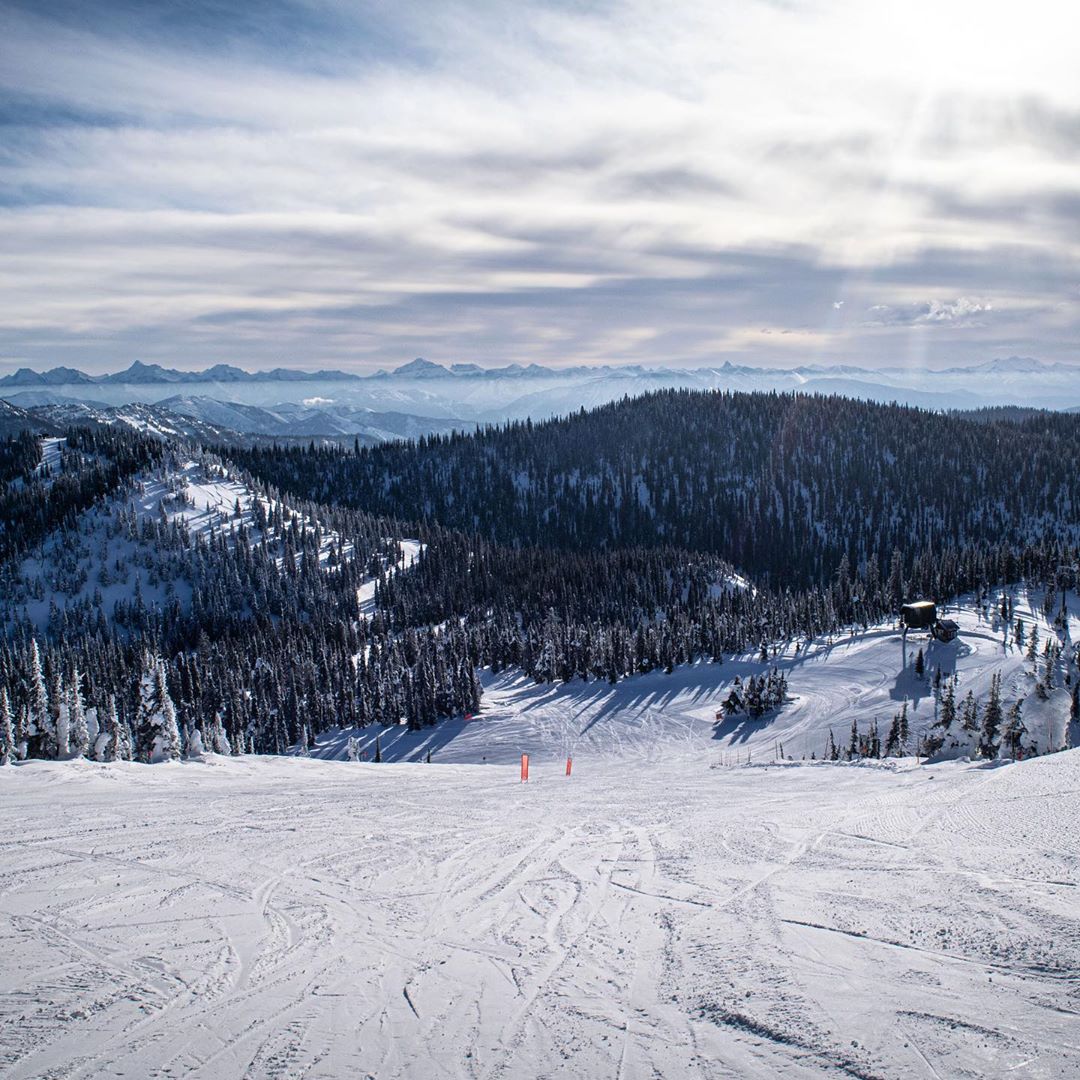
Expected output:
(657, 914)
(266, 917)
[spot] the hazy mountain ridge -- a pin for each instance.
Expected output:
(423, 397)
(421, 368)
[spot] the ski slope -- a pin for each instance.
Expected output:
(683, 905)
(297, 918)
(833, 681)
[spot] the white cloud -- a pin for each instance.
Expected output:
(460, 189)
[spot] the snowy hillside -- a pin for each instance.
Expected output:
(265, 917)
(865, 678)
(140, 546)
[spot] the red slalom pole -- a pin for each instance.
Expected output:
(569, 763)
(524, 767)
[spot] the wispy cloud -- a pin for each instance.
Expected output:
(354, 183)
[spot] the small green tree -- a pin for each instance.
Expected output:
(1013, 736)
(991, 719)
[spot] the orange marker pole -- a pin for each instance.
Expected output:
(524, 767)
(569, 762)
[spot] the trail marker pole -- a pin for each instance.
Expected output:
(524, 767)
(569, 763)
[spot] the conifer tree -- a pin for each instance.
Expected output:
(157, 738)
(948, 705)
(969, 716)
(40, 730)
(875, 740)
(219, 741)
(902, 730)
(991, 719)
(892, 740)
(7, 732)
(1013, 735)
(109, 739)
(78, 732)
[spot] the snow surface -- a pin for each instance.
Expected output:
(265, 917)
(664, 911)
(864, 677)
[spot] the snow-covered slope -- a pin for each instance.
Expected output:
(14, 419)
(109, 556)
(155, 420)
(312, 417)
(864, 678)
(644, 918)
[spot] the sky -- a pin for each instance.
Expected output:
(318, 183)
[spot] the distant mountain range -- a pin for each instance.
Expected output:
(208, 420)
(140, 374)
(422, 397)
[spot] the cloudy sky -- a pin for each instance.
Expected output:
(321, 182)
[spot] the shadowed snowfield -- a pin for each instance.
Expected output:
(657, 914)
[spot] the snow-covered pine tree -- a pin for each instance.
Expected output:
(105, 743)
(168, 746)
(157, 737)
(7, 731)
(40, 729)
(194, 747)
(78, 732)
(61, 714)
(219, 741)
(108, 746)
(125, 739)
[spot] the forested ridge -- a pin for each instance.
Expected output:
(781, 485)
(592, 547)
